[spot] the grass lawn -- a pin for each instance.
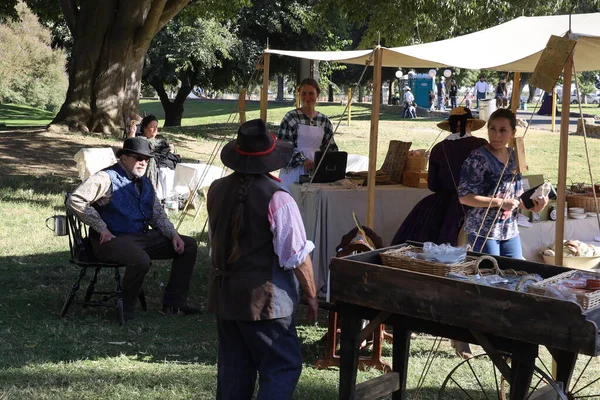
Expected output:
(87, 355)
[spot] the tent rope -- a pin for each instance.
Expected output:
(585, 145)
(215, 152)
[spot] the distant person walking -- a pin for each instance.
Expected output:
(481, 88)
(441, 94)
(453, 93)
(409, 98)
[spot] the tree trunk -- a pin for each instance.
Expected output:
(174, 108)
(390, 91)
(522, 82)
(111, 38)
(361, 93)
(532, 90)
(279, 88)
(330, 93)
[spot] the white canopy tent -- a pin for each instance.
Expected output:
(486, 49)
(514, 46)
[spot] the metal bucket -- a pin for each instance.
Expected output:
(60, 225)
(486, 108)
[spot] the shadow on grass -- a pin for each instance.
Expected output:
(32, 150)
(35, 190)
(33, 291)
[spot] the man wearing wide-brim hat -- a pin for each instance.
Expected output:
(259, 255)
(130, 227)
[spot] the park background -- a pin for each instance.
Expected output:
(210, 50)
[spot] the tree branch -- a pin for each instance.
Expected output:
(71, 14)
(148, 29)
(170, 11)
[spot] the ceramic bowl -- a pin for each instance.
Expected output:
(591, 214)
(576, 210)
(575, 262)
(577, 216)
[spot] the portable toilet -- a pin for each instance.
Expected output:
(420, 85)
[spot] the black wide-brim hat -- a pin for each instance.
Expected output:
(256, 150)
(136, 145)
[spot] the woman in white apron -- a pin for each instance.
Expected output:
(308, 130)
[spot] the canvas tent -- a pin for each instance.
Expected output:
(487, 49)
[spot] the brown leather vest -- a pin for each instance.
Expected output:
(255, 287)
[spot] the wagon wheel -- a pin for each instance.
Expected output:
(585, 382)
(478, 378)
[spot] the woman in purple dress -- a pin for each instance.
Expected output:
(438, 217)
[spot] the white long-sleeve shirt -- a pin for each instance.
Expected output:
(481, 87)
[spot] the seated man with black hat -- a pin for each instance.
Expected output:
(119, 204)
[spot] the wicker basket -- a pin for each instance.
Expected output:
(397, 258)
(582, 200)
(585, 300)
(416, 163)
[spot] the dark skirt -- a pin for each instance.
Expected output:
(437, 218)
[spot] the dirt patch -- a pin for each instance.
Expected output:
(38, 152)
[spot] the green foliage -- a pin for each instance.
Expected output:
(31, 72)
(189, 52)
(405, 23)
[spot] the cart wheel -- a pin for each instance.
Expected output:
(585, 382)
(478, 378)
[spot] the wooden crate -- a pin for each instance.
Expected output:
(416, 179)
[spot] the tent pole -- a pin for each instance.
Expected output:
(264, 98)
(562, 161)
(375, 106)
(514, 100)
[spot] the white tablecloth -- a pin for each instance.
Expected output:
(187, 175)
(541, 234)
(327, 214)
(91, 160)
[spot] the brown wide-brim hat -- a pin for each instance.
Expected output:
(256, 150)
(476, 123)
(136, 145)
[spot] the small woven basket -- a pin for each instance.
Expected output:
(582, 200)
(585, 300)
(495, 270)
(397, 258)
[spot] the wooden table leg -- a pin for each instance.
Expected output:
(350, 329)
(565, 363)
(522, 366)
(400, 355)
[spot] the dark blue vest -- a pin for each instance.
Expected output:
(128, 211)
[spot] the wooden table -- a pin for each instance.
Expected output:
(496, 319)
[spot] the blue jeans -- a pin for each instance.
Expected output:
(441, 102)
(270, 348)
(453, 102)
(480, 96)
(506, 248)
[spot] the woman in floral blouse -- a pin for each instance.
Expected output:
(497, 232)
(308, 130)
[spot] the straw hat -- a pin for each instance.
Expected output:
(461, 111)
(406, 88)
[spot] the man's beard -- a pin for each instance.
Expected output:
(137, 173)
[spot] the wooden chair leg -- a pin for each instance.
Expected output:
(142, 298)
(119, 295)
(91, 286)
(376, 361)
(72, 293)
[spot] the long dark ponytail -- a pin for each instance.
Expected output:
(237, 227)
